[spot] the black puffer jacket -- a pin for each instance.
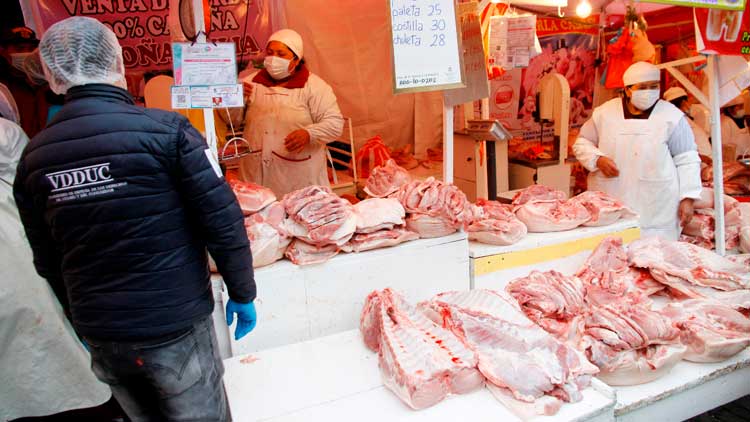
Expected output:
(120, 203)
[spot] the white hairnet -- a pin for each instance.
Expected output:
(8, 106)
(641, 72)
(674, 93)
(32, 66)
(80, 51)
(290, 38)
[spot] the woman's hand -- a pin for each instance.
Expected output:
(297, 140)
(247, 90)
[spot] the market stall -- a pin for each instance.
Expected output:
(494, 266)
(336, 378)
(689, 390)
(300, 303)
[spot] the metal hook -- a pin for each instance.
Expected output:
(560, 13)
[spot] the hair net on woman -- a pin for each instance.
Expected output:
(32, 66)
(8, 107)
(80, 51)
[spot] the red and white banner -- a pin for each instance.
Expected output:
(724, 32)
(144, 27)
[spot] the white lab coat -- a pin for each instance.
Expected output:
(273, 113)
(44, 369)
(652, 180)
(731, 134)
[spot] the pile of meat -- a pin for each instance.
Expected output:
(251, 197)
(543, 209)
(604, 209)
(264, 222)
(702, 228)
(736, 178)
(454, 342)
(493, 223)
(380, 224)
(606, 311)
(387, 179)
(434, 209)
(321, 223)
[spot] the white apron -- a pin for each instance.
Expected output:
(44, 369)
(648, 181)
(273, 113)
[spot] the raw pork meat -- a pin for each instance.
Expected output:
(493, 223)
(379, 213)
(681, 289)
(745, 239)
(552, 300)
(712, 332)
(692, 263)
(513, 352)
(251, 197)
(635, 367)
(620, 340)
(707, 200)
(268, 237)
(419, 361)
(736, 178)
(434, 198)
(379, 239)
(435, 209)
(319, 217)
(543, 216)
(303, 253)
(604, 209)
(538, 193)
(608, 278)
(386, 179)
(428, 227)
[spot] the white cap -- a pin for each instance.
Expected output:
(290, 38)
(639, 72)
(735, 101)
(79, 51)
(674, 93)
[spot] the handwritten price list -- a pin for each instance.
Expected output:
(425, 45)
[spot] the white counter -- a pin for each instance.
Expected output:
(295, 303)
(688, 390)
(492, 267)
(336, 378)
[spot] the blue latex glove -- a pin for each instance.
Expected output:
(246, 317)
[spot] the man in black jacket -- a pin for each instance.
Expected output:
(120, 204)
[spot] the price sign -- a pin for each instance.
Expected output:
(205, 76)
(426, 46)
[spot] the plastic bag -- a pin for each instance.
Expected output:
(373, 154)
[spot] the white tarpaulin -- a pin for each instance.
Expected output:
(348, 44)
(43, 367)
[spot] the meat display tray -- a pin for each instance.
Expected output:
(336, 378)
(688, 390)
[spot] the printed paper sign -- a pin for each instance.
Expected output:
(212, 96)
(204, 64)
(425, 43)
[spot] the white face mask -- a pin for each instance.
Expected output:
(643, 99)
(277, 67)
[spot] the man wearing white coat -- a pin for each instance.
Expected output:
(43, 367)
(291, 115)
(641, 150)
